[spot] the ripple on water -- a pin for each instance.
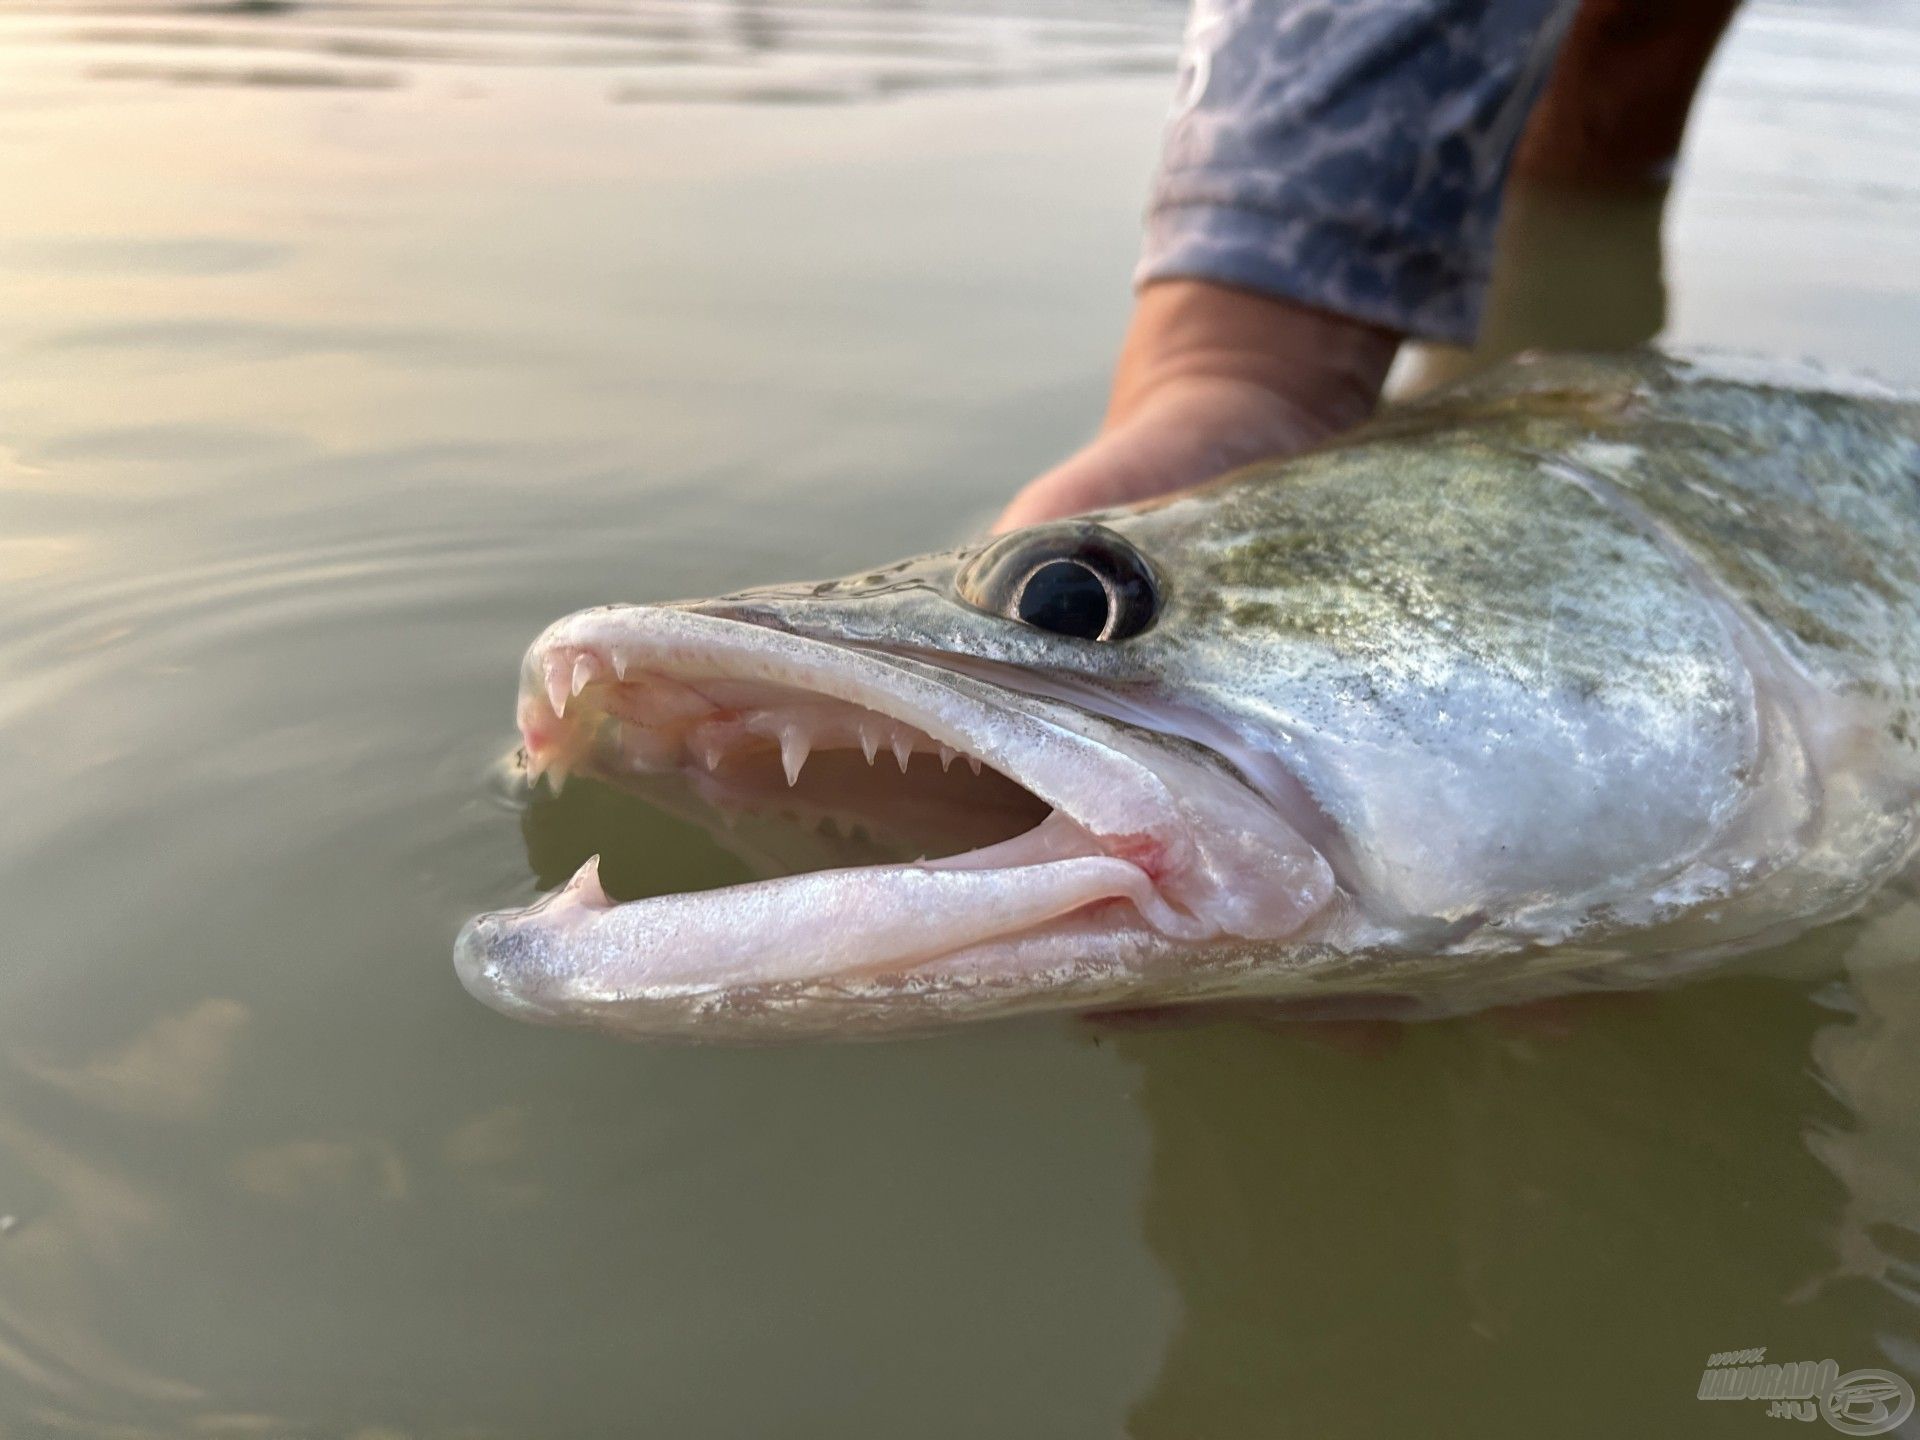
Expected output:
(788, 52)
(321, 400)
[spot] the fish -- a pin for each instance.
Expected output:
(1590, 672)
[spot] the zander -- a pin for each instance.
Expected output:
(1584, 674)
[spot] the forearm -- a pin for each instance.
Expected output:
(1327, 367)
(1210, 379)
(1331, 183)
(1617, 105)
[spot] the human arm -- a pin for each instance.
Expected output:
(1330, 183)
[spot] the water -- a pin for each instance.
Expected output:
(347, 344)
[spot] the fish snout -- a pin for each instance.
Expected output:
(498, 963)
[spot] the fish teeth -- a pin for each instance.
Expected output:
(712, 747)
(794, 749)
(619, 659)
(536, 766)
(585, 887)
(556, 678)
(946, 756)
(585, 667)
(869, 741)
(902, 750)
(974, 761)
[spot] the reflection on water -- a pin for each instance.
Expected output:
(645, 50)
(322, 400)
(172, 1070)
(1538, 1234)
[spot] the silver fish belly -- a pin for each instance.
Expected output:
(1586, 673)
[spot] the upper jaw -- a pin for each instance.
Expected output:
(1149, 851)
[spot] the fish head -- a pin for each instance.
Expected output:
(1022, 674)
(1352, 723)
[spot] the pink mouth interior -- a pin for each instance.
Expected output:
(757, 744)
(880, 787)
(743, 739)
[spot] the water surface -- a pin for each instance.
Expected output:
(347, 344)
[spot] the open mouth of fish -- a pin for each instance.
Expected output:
(1110, 850)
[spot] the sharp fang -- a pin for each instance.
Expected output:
(619, 659)
(974, 761)
(585, 667)
(556, 685)
(711, 749)
(902, 750)
(869, 741)
(557, 779)
(793, 752)
(946, 756)
(585, 887)
(535, 767)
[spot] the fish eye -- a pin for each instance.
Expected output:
(1075, 579)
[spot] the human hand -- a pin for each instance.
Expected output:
(1212, 378)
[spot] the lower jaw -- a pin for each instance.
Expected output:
(1006, 925)
(1090, 959)
(867, 919)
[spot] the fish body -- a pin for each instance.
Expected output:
(1582, 674)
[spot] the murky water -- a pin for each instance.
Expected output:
(346, 344)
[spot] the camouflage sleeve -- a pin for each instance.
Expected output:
(1349, 153)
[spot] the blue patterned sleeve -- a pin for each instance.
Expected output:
(1349, 154)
